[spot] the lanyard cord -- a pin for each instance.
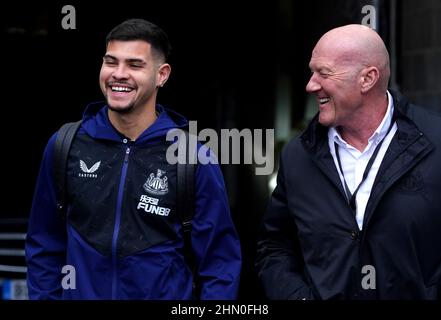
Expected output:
(351, 197)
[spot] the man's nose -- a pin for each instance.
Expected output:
(313, 85)
(120, 72)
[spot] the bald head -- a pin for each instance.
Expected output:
(356, 45)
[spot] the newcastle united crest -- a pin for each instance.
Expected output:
(156, 185)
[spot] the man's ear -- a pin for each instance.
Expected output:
(369, 77)
(163, 74)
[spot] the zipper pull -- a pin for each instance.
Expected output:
(126, 158)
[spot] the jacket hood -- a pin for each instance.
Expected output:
(96, 123)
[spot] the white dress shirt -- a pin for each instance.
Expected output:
(354, 162)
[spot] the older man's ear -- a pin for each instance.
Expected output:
(368, 79)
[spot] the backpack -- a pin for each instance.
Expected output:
(185, 199)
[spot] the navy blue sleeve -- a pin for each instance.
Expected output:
(46, 236)
(214, 239)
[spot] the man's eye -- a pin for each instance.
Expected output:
(136, 66)
(110, 63)
(322, 74)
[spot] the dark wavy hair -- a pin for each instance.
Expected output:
(139, 29)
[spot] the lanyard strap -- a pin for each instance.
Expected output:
(351, 197)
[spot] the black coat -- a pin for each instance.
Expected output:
(310, 245)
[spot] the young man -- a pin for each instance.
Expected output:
(357, 209)
(122, 235)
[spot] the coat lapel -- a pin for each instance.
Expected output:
(408, 147)
(315, 141)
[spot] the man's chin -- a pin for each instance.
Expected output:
(324, 121)
(120, 109)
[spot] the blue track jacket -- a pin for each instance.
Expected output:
(122, 237)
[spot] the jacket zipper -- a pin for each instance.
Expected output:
(118, 222)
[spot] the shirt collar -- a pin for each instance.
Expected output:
(378, 134)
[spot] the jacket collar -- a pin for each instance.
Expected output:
(97, 124)
(395, 163)
(408, 140)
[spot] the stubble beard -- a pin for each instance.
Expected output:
(121, 110)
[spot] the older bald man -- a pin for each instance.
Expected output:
(356, 213)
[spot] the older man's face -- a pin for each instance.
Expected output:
(336, 85)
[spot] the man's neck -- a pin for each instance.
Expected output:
(133, 124)
(358, 132)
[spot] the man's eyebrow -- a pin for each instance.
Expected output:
(320, 68)
(135, 60)
(108, 56)
(325, 69)
(130, 60)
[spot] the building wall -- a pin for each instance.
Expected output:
(420, 67)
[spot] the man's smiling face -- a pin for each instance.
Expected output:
(128, 77)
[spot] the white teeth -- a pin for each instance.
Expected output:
(323, 100)
(121, 89)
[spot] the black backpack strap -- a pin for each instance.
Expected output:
(63, 142)
(185, 206)
(185, 190)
